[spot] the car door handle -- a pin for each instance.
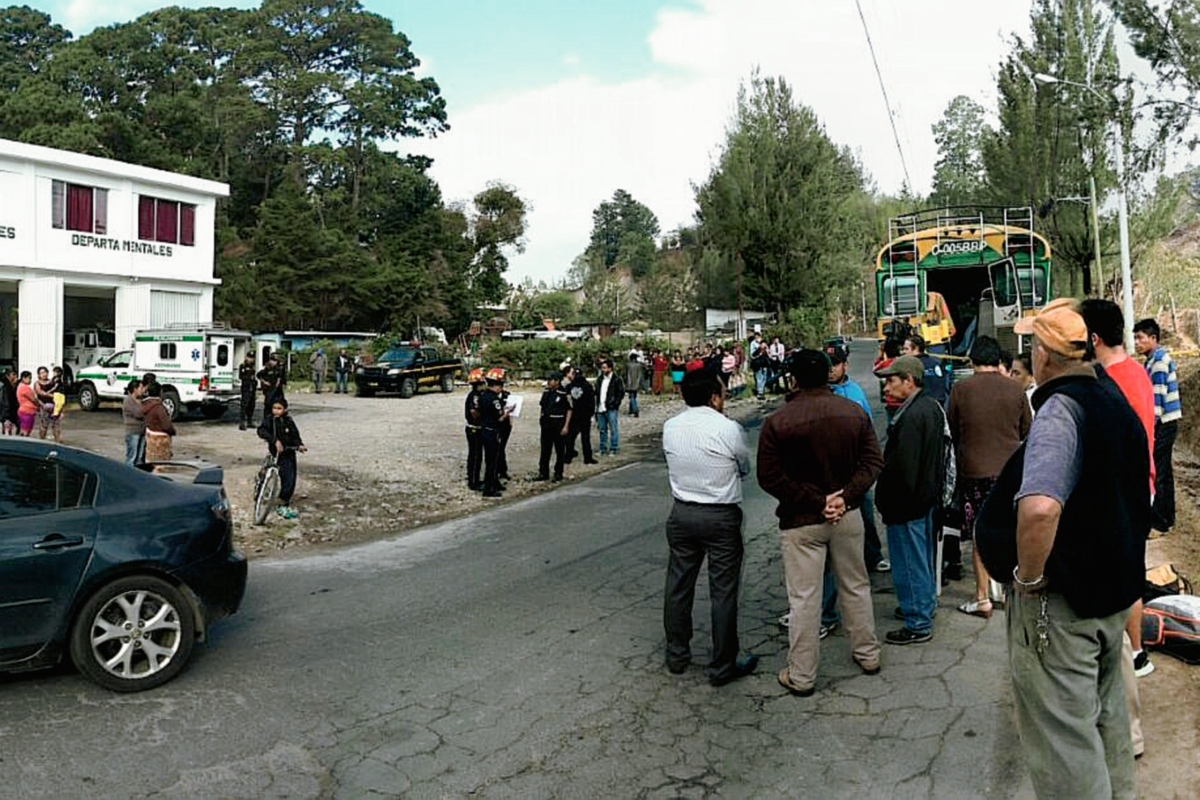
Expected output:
(56, 540)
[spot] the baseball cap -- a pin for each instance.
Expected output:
(1059, 327)
(905, 367)
(554, 376)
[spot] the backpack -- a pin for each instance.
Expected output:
(1172, 624)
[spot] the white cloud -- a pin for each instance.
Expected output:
(569, 145)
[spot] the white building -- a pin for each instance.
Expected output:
(89, 242)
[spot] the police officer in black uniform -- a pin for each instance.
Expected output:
(583, 408)
(474, 440)
(556, 424)
(491, 414)
(505, 430)
(272, 379)
(249, 381)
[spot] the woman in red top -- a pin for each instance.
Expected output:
(659, 363)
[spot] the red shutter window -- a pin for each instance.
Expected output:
(100, 212)
(58, 207)
(187, 224)
(166, 228)
(79, 208)
(146, 218)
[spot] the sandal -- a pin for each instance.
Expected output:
(977, 608)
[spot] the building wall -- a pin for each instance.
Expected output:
(147, 283)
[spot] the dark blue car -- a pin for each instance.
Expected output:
(123, 569)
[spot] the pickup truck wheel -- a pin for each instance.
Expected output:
(408, 387)
(170, 401)
(88, 399)
(447, 383)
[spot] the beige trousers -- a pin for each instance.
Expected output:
(1132, 699)
(804, 552)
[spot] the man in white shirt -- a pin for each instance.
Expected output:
(707, 458)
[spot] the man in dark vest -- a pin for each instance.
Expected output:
(1075, 494)
(247, 377)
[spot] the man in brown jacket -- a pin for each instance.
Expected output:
(818, 456)
(989, 418)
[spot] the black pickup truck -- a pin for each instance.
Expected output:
(405, 369)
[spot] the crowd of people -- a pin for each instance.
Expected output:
(1054, 464)
(26, 403)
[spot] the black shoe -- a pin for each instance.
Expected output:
(504, 477)
(677, 669)
(241, 426)
(492, 495)
(590, 461)
(557, 478)
(741, 669)
(475, 487)
(540, 478)
(907, 636)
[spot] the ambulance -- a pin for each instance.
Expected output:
(195, 365)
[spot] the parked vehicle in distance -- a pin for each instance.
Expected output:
(122, 569)
(83, 347)
(195, 364)
(405, 369)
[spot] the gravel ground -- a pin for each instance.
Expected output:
(374, 466)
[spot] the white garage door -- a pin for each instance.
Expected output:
(169, 307)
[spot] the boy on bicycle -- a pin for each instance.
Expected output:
(279, 431)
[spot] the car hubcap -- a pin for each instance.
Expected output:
(135, 634)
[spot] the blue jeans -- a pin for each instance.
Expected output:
(135, 448)
(606, 427)
(343, 381)
(633, 406)
(911, 546)
(760, 381)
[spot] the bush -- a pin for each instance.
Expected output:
(540, 356)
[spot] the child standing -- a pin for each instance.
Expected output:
(279, 431)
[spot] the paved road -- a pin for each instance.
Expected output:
(518, 654)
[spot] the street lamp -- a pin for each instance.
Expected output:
(1122, 212)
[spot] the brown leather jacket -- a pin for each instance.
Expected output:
(816, 444)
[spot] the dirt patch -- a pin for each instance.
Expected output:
(375, 466)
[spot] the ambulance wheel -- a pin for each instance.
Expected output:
(171, 404)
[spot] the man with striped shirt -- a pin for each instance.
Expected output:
(1167, 413)
(707, 458)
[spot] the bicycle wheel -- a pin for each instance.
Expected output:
(268, 490)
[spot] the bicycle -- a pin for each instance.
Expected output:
(266, 489)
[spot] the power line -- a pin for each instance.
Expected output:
(882, 88)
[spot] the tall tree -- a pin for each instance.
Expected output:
(1167, 35)
(782, 199)
(498, 223)
(1054, 137)
(958, 176)
(620, 222)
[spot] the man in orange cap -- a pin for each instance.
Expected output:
(1075, 495)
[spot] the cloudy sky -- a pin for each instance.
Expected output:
(570, 100)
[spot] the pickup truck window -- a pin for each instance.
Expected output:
(119, 360)
(400, 356)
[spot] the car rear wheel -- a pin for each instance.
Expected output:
(408, 387)
(135, 633)
(88, 399)
(170, 401)
(447, 383)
